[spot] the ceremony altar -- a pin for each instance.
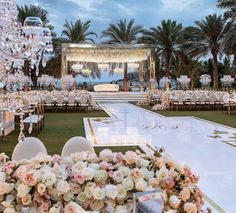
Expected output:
(88, 58)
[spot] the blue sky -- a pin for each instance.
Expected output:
(146, 12)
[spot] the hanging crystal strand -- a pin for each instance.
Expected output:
(37, 69)
(31, 124)
(2, 120)
(30, 77)
(21, 136)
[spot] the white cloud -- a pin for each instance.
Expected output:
(180, 5)
(125, 10)
(87, 5)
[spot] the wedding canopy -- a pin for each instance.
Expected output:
(107, 53)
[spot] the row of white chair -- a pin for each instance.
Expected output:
(32, 147)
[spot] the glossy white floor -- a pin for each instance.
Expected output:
(200, 144)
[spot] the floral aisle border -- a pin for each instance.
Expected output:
(84, 182)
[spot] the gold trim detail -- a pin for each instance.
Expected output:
(92, 131)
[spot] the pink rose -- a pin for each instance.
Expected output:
(44, 206)
(168, 183)
(187, 171)
(185, 194)
(21, 171)
(8, 167)
(73, 207)
(79, 178)
(30, 178)
(190, 208)
(118, 157)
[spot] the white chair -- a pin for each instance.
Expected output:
(83, 102)
(28, 149)
(49, 103)
(71, 101)
(77, 144)
(179, 102)
(60, 102)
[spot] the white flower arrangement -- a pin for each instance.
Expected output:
(84, 182)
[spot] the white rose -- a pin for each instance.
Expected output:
(174, 201)
(143, 163)
(62, 187)
(9, 210)
(81, 197)
(88, 173)
(128, 183)
(131, 157)
(111, 191)
(93, 157)
(125, 170)
(147, 174)
(118, 176)
(23, 190)
(162, 174)
(121, 209)
(95, 166)
(106, 155)
(79, 166)
(109, 209)
(101, 176)
(73, 207)
(89, 190)
(68, 196)
(80, 156)
(141, 185)
(99, 193)
(49, 179)
(68, 161)
(121, 192)
(6, 188)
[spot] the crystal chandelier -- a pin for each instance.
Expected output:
(18, 43)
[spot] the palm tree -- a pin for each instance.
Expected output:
(78, 32)
(165, 38)
(229, 44)
(123, 33)
(207, 37)
(230, 6)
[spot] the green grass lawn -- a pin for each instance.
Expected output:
(220, 117)
(59, 128)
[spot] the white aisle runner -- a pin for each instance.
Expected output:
(209, 149)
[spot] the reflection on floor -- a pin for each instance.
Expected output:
(207, 147)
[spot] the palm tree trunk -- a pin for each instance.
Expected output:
(125, 76)
(167, 65)
(215, 72)
(234, 64)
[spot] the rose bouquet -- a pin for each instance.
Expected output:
(85, 182)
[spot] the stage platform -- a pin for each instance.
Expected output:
(118, 96)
